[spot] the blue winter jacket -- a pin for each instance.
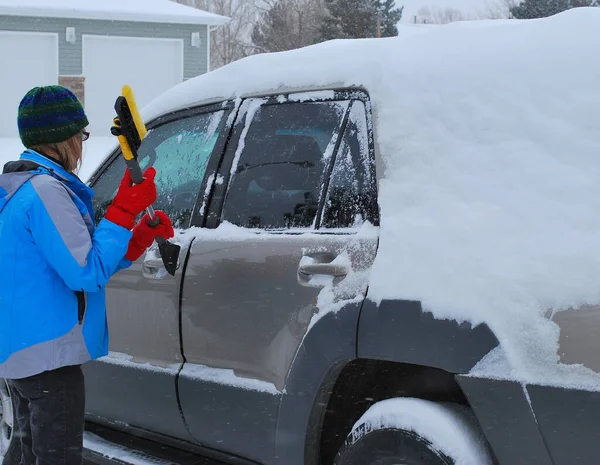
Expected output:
(54, 265)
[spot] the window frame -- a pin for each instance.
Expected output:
(215, 208)
(228, 106)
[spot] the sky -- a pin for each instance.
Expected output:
(469, 7)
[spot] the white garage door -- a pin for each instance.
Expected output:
(28, 60)
(149, 66)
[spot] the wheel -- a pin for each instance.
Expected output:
(391, 447)
(408, 431)
(10, 447)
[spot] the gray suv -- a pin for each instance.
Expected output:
(264, 348)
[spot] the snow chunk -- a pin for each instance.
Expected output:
(113, 451)
(312, 96)
(127, 361)
(253, 107)
(450, 428)
(227, 377)
(351, 290)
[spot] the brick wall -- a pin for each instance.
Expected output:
(75, 84)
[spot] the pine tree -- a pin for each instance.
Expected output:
(288, 24)
(356, 19)
(531, 9)
(271, 27)
(390, 17)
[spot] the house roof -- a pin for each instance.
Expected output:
(155, 11)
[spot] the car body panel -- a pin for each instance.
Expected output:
(400, 331)
(506, 420)
(568, 422)
(135, 384)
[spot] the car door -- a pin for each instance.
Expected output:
(135, 385)
(297, 185)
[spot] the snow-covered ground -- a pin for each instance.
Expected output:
(95, 150)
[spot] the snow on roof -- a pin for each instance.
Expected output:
(156, 11)
(489, 136)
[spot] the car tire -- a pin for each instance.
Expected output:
(389, 447)
(10, 446)
(411, 431)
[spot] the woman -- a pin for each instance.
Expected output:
(54, 266)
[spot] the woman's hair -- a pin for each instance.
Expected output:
(64, 150)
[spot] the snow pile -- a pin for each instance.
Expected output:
(490, 144)
(114, 451)
(449, 428)
(161, 11)
(227, 377)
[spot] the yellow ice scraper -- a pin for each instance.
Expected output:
(131, 130)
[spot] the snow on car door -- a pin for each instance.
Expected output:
(298, 187)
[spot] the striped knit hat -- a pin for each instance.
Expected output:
(48, 115)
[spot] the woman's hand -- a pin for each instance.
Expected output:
(144, 234)
(132, 199)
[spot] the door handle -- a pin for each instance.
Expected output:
(328, 269)
(307, 272)
(154, 269)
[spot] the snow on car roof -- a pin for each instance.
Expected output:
(161, 11)
(489, 137)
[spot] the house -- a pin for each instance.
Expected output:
(95, 47)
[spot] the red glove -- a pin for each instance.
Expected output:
(131, 200)
(144, 234)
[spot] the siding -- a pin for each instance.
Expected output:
(70, 55)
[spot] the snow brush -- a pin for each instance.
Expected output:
(131, 130)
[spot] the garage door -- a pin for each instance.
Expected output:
(29, 60)
(149, 66)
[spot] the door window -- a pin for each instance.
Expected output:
(281, 162)
(180, 152)
(352, 195)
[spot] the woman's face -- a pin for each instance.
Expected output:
(78, 148)
(75, 150)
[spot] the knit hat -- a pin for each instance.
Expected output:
(48, 115)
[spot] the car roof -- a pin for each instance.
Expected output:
(408, 76)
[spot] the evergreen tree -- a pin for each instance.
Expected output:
(531, 9)
(356, 19)
(390, 17)
(288, 24)
(270, 29)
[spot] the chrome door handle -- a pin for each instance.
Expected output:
(153, 269)
(328, 269)
(308, 272)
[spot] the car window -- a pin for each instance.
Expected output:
(351, 197)
(281, 163)
(180, 152)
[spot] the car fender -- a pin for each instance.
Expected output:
(401, 331)
(326, 348)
